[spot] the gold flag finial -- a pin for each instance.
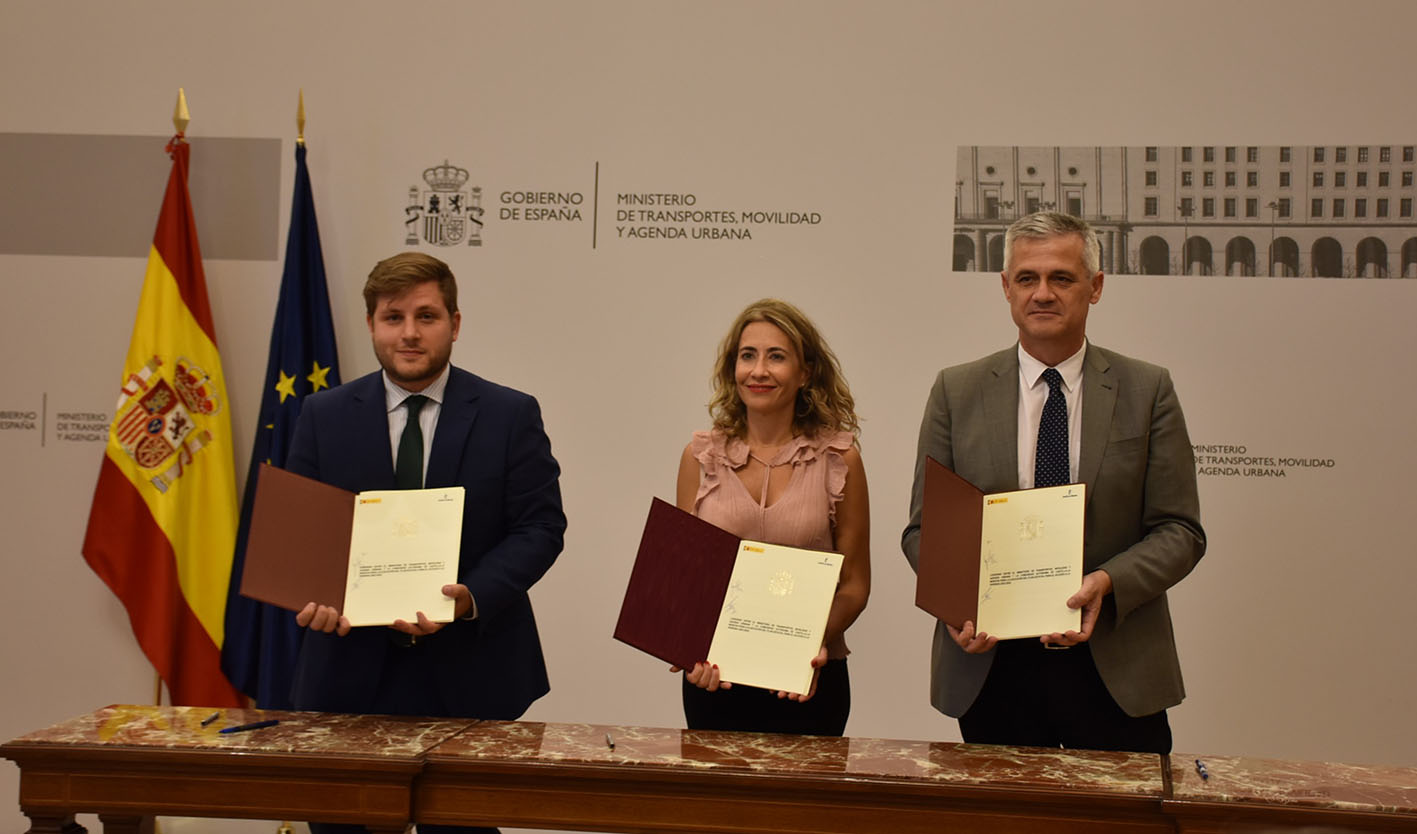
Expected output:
(300, 119)
(180, 116)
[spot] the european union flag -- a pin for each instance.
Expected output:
(259, 651)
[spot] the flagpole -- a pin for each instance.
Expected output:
(181, 117)
(286, 827)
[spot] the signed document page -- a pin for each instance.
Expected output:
(774, 616)
(403, 549)
(1030, 561)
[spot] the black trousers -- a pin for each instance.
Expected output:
(1040, 697)
(753, 710)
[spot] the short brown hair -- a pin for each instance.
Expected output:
(403, 272)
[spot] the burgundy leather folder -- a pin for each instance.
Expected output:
(677, 586)
(951, 525)
(298, 546)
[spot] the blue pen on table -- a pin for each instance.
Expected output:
(254, 725)
(1200, 768)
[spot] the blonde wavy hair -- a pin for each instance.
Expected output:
(825, 401)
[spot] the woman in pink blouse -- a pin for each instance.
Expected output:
(781, 465)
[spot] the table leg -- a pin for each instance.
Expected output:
(49, 824)
(115, 824)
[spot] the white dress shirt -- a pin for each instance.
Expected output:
(394, 397)
(1032, 394)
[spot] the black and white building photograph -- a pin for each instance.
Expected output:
(1335, 211)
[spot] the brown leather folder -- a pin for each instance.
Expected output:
(298, 546)
(677, 586)
(951, 525)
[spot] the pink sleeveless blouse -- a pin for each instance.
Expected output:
(803, 516)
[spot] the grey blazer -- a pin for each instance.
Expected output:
(1141, 525)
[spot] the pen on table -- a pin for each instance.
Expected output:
(210, 718)
(1200, 768)
(254, 725)
(609, 741)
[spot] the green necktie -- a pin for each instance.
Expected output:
(408, 466)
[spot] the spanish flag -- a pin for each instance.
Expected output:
(163, 522)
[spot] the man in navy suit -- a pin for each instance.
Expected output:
(487, 662)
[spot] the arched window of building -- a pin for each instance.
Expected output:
(1326, 258)
(1409, 258)
(1155, 256)
(1240, 257)
(1284, 259)
(996, 254)
(964, 254)
(1198, 257)
(1372, 258)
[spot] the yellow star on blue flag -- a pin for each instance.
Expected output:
(317, 377)
(286, 386)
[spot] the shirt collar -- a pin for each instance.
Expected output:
(1070, 369)
(394, 394)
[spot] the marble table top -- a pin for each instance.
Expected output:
(1329, 785)
(527, 742)
(118, 726)
(1232, 779)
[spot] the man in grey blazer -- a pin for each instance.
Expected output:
(1108, 685)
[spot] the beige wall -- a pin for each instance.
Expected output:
(1293, 631)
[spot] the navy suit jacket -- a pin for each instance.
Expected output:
(490, 441)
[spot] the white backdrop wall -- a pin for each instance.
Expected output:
(1294, 631)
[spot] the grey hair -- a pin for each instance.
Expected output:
(1046, 224)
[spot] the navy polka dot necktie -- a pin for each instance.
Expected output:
(408, 465)
(1050, 461)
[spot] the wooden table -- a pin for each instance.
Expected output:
(568, 776)
(1251, 795)
(129, 763)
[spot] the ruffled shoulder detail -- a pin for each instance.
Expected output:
(833, 449)
(714, 447)
(805, 449)
(716, 453)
